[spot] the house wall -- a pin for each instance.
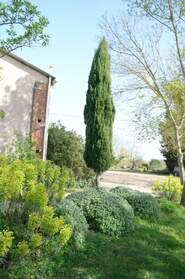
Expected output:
(17, 88)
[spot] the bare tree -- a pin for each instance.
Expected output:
(138, 55)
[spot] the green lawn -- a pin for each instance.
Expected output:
(153, 251)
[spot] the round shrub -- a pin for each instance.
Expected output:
(145, 205)
(105, 212)
(73, 215)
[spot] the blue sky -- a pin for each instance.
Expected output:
(75, 35)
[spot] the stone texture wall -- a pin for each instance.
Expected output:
(38, 124)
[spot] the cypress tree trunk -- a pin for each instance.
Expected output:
(99, 114)
(98, 175)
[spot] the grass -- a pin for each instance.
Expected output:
(153, 251)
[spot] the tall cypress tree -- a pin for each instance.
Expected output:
(99, 113)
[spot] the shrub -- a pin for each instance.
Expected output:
(104, 211)
(21, 148)
(156, 165)
(68, 179)
(86, 183)
(145, 206)
(29, 227)
(74, 216)
(53, 177)
(66, 149)
(6, 238)
(170, 188)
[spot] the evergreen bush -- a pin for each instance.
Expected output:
(145, 205)
(104, 211)
(74, 216)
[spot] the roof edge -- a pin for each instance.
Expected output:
(26, 63)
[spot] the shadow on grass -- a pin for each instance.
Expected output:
(149, 253)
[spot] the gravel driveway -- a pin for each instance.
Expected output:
(138, 181)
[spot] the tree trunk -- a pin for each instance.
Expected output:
(180, 164)
(98, 174)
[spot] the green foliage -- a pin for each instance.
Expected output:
(169, 15)
(167, 206)
(54, 178)
(174, 89)
(145, 206)
(124, 160)
(68, 179)
(27, 268)
(86, 183)
(2, 114)
(152, 251)
(36, 240)
(170, 188)
(11, 182)
(65, 234)
(156, 165)
(37, 197)
(21, 149)
(27, 213)
(32, 176)
(168, 142)
(6, 238)
(99, 113)
(158, 10)
(73, 215)
(22, 25)
(23, 248)
(169, 154)
(3, 160)
(65, 149)
(104, 211)
(48, 224)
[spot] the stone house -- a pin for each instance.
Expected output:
(24, 97)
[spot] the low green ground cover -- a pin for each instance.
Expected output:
(152, 251)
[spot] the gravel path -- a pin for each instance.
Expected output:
(138, 181)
